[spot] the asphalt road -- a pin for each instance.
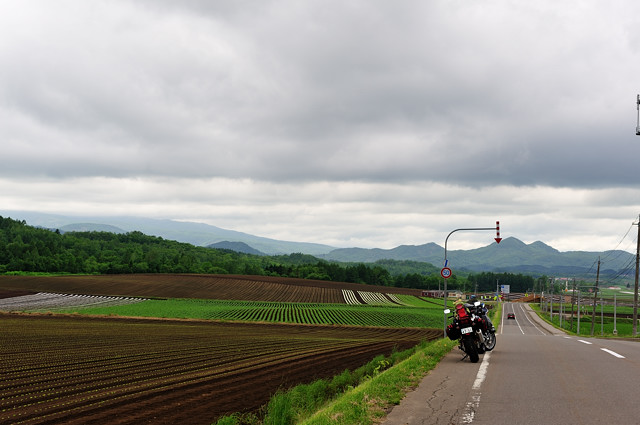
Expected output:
(535, 375)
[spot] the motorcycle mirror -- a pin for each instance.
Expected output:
(447, 311)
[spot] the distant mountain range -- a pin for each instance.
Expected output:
(198, 234)
(511, 255)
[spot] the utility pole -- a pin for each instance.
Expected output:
(560, 310)
(635, 291)
(552, 282)
(573, 301)
(638, 121)
(595, 294)
(601, 314)
(578, 331)
(615, 307)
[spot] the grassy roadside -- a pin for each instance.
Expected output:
(363, 397)
(348, 397)
(368, 402)
(495, 313)
(603, 327)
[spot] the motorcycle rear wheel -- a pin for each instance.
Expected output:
(470, 349)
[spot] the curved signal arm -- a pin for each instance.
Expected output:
(497, 239)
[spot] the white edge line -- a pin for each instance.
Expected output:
(526, 315)
(472, 406)
(613, 353)
(482, 372)
(584, 342)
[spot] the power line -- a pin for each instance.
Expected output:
(621, 240)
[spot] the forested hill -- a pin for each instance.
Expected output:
(25, 248)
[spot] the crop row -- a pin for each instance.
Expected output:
(350, 297)
(391, 315)
(220, 287)
(370, 298)
(101, 368)
(51, 301)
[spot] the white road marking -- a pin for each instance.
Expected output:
(584, 342)
(526, 315)
(515, 319)
(470, 409)
(482, 372)
(613, 353)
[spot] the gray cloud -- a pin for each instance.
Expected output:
(288, 97)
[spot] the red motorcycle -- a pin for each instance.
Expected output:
(472, 330)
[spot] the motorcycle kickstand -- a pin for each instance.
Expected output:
(465, 353)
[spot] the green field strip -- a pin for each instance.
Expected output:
(416, 313)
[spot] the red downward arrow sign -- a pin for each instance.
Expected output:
(498, 238)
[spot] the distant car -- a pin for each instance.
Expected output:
(511, 316)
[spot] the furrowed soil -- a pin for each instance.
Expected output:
(219, 287)
(72, 369)
(60, 369)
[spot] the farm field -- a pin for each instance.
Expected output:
(79, 369)
(218, 287)
(255, 311)
(46, 301)
(193, 347)
(360, 306)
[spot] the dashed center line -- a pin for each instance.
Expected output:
(606, 350)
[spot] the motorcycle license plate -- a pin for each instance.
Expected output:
(466, 330)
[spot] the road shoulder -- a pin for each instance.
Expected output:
(438, 399)
(541, 323)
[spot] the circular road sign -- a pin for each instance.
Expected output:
(445, 272)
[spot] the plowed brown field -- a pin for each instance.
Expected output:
(220, 287)
(81, 370)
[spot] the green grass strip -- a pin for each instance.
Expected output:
(368, 401)
(602, 328)
(392, 376)
(427, 316)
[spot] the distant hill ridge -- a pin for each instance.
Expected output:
(511, 255)
(199, 234)
(236, 246)
(90, 227)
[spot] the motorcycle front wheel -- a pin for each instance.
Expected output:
(490, 341)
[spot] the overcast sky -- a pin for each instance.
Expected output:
(349, 123)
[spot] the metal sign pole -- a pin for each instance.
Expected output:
(497, 239)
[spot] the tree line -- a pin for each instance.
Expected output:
(25, 248)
